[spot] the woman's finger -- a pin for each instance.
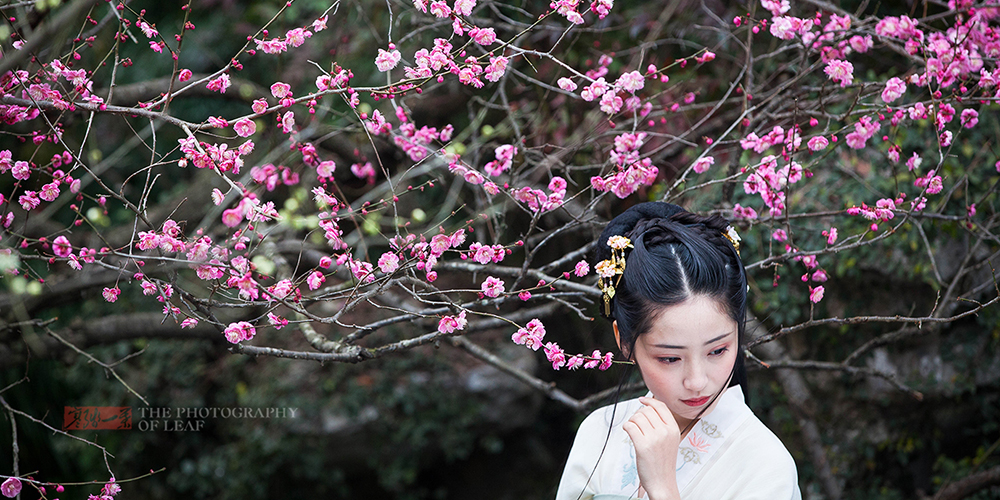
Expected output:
(660, 408)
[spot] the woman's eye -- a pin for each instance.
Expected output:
(719, 351)
(669, 360)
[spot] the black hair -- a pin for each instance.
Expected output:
(676, 255)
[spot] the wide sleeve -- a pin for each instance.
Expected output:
(581, 477)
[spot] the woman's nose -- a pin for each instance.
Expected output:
(695, 377)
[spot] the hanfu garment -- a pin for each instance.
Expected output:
(728, 455)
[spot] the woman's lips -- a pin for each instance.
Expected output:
(695, 402)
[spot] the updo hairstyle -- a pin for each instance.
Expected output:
(676, 255)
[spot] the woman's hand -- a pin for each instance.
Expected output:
(656, 437)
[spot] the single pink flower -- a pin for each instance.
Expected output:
(245, 127)
(492, 287)
(315, 279)
(702, 164)
(816, 294)
(62, 247)
(11, 487)
(388, 263)
(566, 84)
(386, 60)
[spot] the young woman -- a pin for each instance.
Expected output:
(675, 291)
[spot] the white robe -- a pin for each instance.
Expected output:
(728, 455)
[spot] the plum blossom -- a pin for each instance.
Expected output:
(297, 36)
(785, 27)
(630, 82)
(818, 143)
(816, 294)
(245, 127)
(931, 182)
(281, 90)
(276, 321)
(388, 263)
(259, 105)
(831, 236)
(611, 103)
(315, 280)
(776, 7)
(555, 355)
(702, 164)
(111, 294)
(364, 171)
(50, 191)
(492, 287)
(894, 89)
(21, 170)
(566, 84)
(61, 246)
(601, 7)
(581, 269)
(483, 36)
(288, 122)
(387, 59)
(362, 271)
(594, 90)
(840, 71)
(970, 118)
(220, 84)
(465, 7)
(451, 324)
(531, 335)
(741, 212)
(239, 331)
(705, 57)
(11, 487)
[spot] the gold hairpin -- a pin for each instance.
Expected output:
(733, 238)
(609, 268)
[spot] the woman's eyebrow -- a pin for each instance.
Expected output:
(711, 341)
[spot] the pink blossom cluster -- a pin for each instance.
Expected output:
(430, 61)
(294, 37)
(610, 100)
(217, 156)
(485, 254)
(532, 335)
(427, 252)
(452, 324)
(770, 182)
(864, 129)
(48, 192)
(33, 89)
(540, 201)
(239, 331)
(415, 142)
(790, 139)
(504, 155)
(632, 172)
(270, 176)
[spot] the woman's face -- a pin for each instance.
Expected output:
(687, 355)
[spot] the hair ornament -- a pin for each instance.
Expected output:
(608, 269)
(733, 238)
